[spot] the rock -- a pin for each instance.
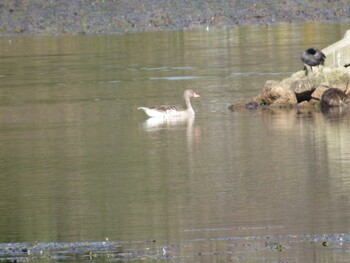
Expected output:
(252, 105)
(276, 93)
(314, 102)
(338, 54)
(301, 87)
(232, 107)
(334, 97)
(244, 104)
(318, 92)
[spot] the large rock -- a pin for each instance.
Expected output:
(276, 93)
(301, 87)
(314, 84)
(338, 54)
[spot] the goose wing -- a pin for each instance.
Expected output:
(164, 108)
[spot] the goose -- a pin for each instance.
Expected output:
(334, 97)
(166, 111)
(313, 57)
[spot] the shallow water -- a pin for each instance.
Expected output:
(80, 163)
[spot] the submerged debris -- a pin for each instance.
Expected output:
(275, 246)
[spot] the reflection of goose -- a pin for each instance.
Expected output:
(334, 97)
(165, 111)
(313, 57)
(153, 124)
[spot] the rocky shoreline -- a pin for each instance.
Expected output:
(305, 89)
(41, 17)
(299, 91)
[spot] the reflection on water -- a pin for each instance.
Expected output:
(168, 123)
(335, 113)
(79, 162)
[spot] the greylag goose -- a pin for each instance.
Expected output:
(166, 111)
(334, 97)
(313, 57)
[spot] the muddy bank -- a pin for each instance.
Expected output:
(19, 17)
(236, 247)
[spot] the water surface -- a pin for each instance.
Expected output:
(80, 163)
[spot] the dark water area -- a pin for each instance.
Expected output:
(86, 175)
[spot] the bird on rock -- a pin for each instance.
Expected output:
(313, 57)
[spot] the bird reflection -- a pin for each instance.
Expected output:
(193, 134)
(155, 124)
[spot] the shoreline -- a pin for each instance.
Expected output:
(40, 17)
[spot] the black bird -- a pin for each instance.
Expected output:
(313, 57)
(334, 97)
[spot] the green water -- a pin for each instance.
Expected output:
(79, 162)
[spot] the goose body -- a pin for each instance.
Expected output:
(170, 111)
(334, 97)
(313, 57)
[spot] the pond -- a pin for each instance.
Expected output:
(82, 166)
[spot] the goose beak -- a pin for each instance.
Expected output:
(195, 95)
